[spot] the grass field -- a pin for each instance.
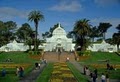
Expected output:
(99, 60)
(17, 59)
(96, 57)
(45, 75)
(77, 74)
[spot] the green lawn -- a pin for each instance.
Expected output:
(17, 58)
(22, 57)
(45, 75)
(96, 58)
(77, 74)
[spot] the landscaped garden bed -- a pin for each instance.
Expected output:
(61, 73)
(99, 60)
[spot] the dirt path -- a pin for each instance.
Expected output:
(33, 75)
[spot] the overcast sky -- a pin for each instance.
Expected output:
(67, 12)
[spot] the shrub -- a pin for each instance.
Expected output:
(84, 53)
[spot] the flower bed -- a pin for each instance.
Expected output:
(104, 66)
(36, 57)
(61, 73)
(14, 65)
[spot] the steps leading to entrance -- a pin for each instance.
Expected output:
(54, 57)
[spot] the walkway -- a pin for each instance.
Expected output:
(80, 69)
(33, 75)
(54, 57)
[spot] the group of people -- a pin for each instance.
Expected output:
(109, 67)
(20, 71)
(94, 75)
(38, 65)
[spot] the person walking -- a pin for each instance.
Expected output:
(96, 72)
(17, 71)
(21, 71)
(39, 65)
(107, 78)
(94, 77)
(103, 78)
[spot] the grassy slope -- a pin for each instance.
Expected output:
(17, 57)
(113, 59)
(45, 75)
(77, 74)
(96, 56)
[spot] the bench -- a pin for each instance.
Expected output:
(103, 60)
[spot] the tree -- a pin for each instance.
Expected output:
(103, 27)
(82, 30)
(35, 16)
(116, 40)
(24, 32)
(116, 37)
(94, 33)
(118, 28)
(2, 38)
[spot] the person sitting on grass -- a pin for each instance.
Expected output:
(3, 72)
(21, 71)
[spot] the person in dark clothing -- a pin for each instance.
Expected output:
(108, 66)
(94, 77)
(107, 78)
(96, 72)
(3, 72)
(84, 70)
(36, 65)
(21, 71)
(59, 51)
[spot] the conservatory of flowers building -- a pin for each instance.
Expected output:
(59, 40)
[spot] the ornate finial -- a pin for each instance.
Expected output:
(59, 24)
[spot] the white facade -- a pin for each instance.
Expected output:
(59, 40)
(104, 47)
(14, 46)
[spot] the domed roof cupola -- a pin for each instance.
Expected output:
(59, 31)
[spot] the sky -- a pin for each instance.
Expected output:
(67, 12)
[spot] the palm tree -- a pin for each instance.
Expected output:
(118, 28)
(116, 37)
(94, 33)
(116, 40)
(35, 16)
(82, 29)
(103, 27)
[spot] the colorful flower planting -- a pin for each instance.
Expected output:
(36, 57)
(61, 73)
(14, 65)
(104, 66)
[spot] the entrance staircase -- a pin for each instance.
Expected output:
(54, 57)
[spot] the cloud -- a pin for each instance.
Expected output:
(8, 13)
(73, 6)
(106, 2)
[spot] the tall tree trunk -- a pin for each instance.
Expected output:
(36, 26)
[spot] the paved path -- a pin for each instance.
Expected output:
(80, 69)
(54, 57)
(33, 75)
